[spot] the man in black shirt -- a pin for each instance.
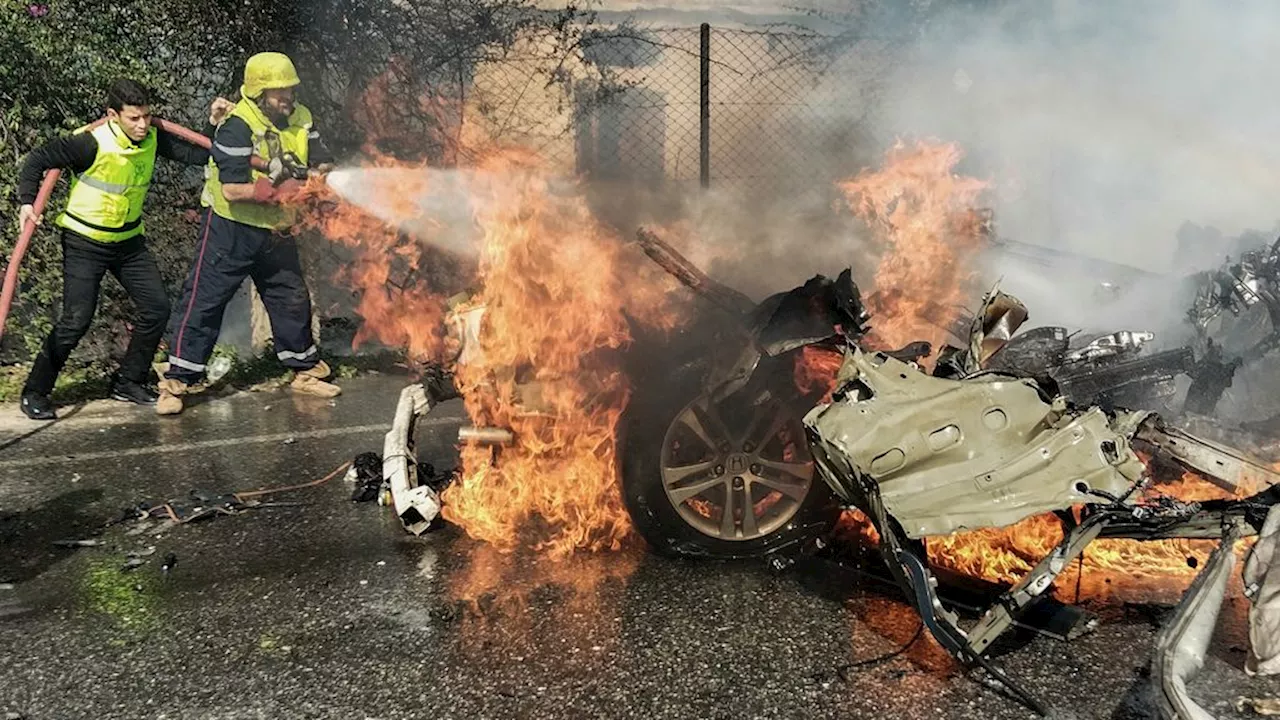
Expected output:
(102, 230)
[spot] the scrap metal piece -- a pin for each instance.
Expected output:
(983, 452)
(1032, 585)
(1220, 465)
(820, 312)
(999, 318)
(416, 505)
(1181, 645)
(1124, 342)
(989, 332)
(669, 259)
(1262, 587)
(1259, 706)
(1120, 379)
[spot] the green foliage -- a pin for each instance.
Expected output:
(54, 71)
(84, 382)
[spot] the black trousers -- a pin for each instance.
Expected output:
(84, 263)
(229, 252)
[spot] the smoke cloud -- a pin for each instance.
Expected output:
(1104, 127)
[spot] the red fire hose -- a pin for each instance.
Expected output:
(46, 189)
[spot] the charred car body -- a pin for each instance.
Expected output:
(1237, 286)
(725, 455)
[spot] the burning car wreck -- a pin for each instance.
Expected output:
(749, 451)
(926, 456)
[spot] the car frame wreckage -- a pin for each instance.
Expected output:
(987, 439)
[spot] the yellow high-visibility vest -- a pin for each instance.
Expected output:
(106, 200)
(269, 142)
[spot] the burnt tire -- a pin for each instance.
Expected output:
(677, 487)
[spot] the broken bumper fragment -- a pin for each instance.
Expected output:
(1184, 640)
(416, 504)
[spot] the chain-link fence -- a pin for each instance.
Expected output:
(656, 109)
(754, 109)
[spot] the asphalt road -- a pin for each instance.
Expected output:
(328, 609)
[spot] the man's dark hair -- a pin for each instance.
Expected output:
(127, 92)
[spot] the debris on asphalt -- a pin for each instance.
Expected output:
(1259, 706)
(366, 474)
(203, 504)
(416, 505)
(436, 480)
(218, 368)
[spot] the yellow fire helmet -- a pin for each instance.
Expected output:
(268, 71)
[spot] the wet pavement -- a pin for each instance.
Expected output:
(327, 609)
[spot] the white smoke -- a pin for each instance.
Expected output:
(442, 209)
(1104, 126)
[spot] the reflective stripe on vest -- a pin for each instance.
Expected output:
(293, 139)
(105, 203)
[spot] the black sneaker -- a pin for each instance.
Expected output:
(37, 406)
(132, 392)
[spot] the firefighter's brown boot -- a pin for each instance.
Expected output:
(312, 382)
(170, 400)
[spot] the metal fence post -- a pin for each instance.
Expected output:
(704, 106)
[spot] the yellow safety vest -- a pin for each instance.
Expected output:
(106, 200)
(269, 142)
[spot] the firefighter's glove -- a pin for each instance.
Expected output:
(264, 191)
(269, 194)
(289, 191)
(276, 171)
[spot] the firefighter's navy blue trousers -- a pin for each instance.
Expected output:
(229, 252)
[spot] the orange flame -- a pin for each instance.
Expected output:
(398, 308)
(925, 217)
(1006, 554)
(815, 370)
(555, 282)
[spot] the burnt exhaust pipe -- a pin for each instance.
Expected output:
(472, 435)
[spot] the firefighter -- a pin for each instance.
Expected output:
(244, 234)
(102, 231)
